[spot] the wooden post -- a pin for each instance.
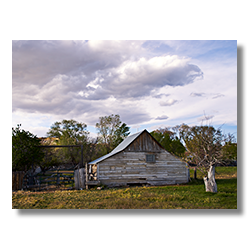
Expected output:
(76, 178)
(20, 180)
(81, 178)
(86, 175)
(195, 173)
(40, 180)
(58, 179)
(13, 181)
(97, 172)
(81, 163)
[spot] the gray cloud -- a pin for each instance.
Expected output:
(217, 96)
(39, 62)
(163, 117)
(134, 117)
(169, 102)
(158, 96)
(214, 96)
(71, 77)
(197, 94)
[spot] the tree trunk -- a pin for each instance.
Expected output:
(195, 173)
(209, 180)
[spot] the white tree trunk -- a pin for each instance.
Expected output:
(209, 180)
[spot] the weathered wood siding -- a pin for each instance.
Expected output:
(79, 177)
(131, 167)
(144, 143)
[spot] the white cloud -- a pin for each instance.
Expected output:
(138, 78)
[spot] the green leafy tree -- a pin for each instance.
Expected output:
(120, 134)
(70, 132)
(25, 150)
(51, 156)
(169, 141)
(229, 150)
(111, 132)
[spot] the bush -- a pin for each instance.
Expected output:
(24, 149)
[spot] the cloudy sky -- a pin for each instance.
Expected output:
(150, 84)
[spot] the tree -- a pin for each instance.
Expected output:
(51, 155)
(120, 134)
(229, 151)
(70, 132)
(169, 141)
(204, 144)
(111, 132)
(25, 150)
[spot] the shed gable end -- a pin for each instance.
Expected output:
(144, 143)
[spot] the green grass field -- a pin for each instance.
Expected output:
(188, 196)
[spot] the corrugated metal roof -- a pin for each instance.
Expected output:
(126, 142)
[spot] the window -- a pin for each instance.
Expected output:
(150, 158)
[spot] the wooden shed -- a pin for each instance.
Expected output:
(139, 159)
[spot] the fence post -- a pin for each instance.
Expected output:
(19, 180)
(13, 181)
(86, 175)
(30, 180)
(81, 164)
(81, 178)
(76, 178)
(58, 179)
(40, 180)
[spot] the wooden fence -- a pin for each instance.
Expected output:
(50, 179)
(17, 180)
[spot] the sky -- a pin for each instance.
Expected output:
(149, 83)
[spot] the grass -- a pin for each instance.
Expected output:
(188, 196)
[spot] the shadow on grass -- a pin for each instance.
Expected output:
(218, 181)
(232, 181)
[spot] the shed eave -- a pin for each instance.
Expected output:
(104, 157)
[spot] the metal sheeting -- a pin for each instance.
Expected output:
(126, 142)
